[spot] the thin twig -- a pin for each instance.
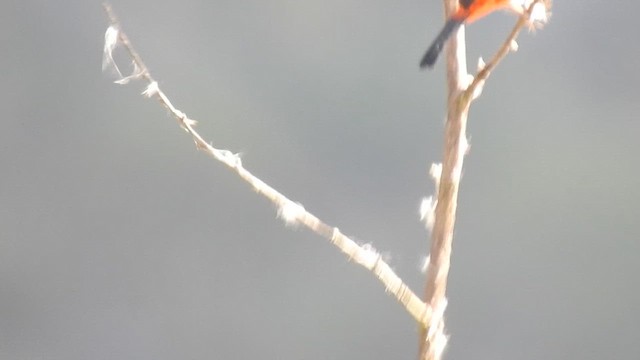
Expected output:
(292, 213)
(506, 47)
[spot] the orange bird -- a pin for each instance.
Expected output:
(468, 12)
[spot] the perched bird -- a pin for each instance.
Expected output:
(468, 12)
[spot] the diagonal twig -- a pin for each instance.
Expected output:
(292, 213)
(508, 45)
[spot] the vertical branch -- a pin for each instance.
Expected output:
(461, 93)
(432, 339)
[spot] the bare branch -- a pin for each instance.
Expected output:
(432, 338)
(291, 212)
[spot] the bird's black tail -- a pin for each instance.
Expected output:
(430, 57)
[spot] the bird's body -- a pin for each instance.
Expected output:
(468, 12)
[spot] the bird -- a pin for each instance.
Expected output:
(468, 12)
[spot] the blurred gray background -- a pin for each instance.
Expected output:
(118, 240)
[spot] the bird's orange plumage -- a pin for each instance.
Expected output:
(468, 12)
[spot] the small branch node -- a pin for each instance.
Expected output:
(436, 173)
(290, 212)
(513, 46)
(427, 211)
(189, 123)
(540, 12)
(152, 90)
(367, 256)
(481, 64)
(464, 145)
(335, 235)
(230, 158)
